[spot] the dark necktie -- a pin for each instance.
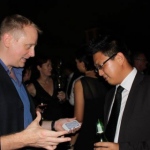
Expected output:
(112, 123)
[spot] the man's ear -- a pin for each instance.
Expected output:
(6, 38)
(120, 58)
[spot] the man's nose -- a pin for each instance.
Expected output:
(100, 72)
(32, 52)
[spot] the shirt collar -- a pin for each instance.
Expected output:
(130, 77)
(17, 71)
(4, 66)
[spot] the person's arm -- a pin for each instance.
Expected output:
(57, 125)
(79, 106)
(79, 101)
(31, 89)
(35, 136)
(61, 96)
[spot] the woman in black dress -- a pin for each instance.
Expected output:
(44, 90)
(89, 94)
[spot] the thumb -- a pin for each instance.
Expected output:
(36, 120)
(38, 117)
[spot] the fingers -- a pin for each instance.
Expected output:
(51, 147)
(38, 118)
(57, 140)
(40, 110)
(61, 95)
(103, 145)
(58, 133)
(74, 130)
(70, 119)
(36, 121)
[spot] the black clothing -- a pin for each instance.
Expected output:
(11, 106)
(94, 96)
(134, 130)
(54, 109)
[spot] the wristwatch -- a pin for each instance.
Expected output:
(53, 126)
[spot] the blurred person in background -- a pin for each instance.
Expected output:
(27, 73)
(89, 95)
(43, 89)
(72, 74)
(140, 61)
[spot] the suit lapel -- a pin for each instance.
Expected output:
(129, 105)
(108, 103)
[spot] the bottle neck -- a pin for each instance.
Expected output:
(100, 127)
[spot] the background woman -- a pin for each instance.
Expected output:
(44, 90)
(89, 94)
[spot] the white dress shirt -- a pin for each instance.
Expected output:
(126, 84)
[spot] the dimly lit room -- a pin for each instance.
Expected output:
(74, 75)
(68, 24)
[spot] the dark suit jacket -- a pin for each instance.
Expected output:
(135, 125)
(11, 106)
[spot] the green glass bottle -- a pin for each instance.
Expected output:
(100, 135)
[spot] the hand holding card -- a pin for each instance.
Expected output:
(71, 125)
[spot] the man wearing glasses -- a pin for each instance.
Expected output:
(99, 67)
(132, 128)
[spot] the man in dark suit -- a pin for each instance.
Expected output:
(111, 58)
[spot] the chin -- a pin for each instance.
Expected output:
(22, 65)
(109, 82)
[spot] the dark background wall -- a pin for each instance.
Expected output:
(66, 24)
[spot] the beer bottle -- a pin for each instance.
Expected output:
(100, 135)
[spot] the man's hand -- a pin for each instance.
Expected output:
(106, 146)
(60, 122)
(40, 137)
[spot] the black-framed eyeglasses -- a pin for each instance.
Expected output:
(99, 67)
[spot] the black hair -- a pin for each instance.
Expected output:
(83, 55)
(109, 44)
(41, 60)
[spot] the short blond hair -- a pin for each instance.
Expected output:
(16, 22)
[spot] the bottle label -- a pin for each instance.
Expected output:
(99, 128)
